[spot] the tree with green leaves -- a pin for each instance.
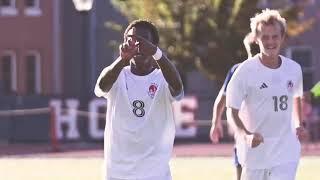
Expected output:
(204, 34)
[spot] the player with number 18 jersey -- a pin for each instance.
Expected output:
(267, 96)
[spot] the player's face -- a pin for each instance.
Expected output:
(140, 59)
(269, 39)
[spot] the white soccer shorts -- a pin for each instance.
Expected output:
(281, 172)
(164, 177)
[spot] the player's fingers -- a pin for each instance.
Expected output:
(131, 32)
(215, 138)
(212, 138)
(131, 41)
(254, 143)
(261, 138)
(214, 135)
(139, 38)
(136, 41)
(125, 46)
(299, 131)
(211, 133)
(133, 50)
(122, 48)
(257, 140)
(143, 44)
(302, 134)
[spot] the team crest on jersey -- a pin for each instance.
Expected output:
(152, 90)
(290, 86)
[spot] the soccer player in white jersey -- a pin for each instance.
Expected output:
(140, 86)
(216, 130)
(268, 88)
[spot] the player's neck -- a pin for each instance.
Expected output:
(141, 70)
(272, 62)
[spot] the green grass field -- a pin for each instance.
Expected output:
(195, 168)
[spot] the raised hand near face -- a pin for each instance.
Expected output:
(145, 47)
(128, 48)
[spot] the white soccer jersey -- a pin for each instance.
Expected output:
(140, 128)
(267, 96)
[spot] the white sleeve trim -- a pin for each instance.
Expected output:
(97, 90)
(236, 89)
(179, 96)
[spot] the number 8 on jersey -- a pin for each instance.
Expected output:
(138, 106)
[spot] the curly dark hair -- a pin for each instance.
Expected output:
(145, 24)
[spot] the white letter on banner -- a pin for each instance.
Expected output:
(184, 116)
(94, 106)
(70, 118)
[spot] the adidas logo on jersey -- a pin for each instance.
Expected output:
(263, 86)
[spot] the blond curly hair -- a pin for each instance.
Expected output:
(267, 17)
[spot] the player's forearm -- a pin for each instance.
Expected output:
(218, 108)
(239, 124)
(171, 75)
(297, 106)
(111, 74)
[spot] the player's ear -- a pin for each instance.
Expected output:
(255, 39)
(283, 37)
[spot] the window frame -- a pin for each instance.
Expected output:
(10, 10)
(13, 61)
(290, 50)
(34, 10)
(305, 70)
(38, 74)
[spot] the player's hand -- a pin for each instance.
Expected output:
(128, 48)
(216, 132)
(254, 139)
(145, 47)
(301, 133)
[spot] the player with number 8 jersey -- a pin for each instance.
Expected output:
(140, 87)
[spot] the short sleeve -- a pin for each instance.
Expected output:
(228, 77)
(298, 91)
(173, 98)
(236, 89)
(101, 93)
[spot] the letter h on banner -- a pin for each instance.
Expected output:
(69, 118)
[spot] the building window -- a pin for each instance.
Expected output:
(8, 83)
(32, 8)
(303, 56)
(33, 73)
(274, 4)
(279, 4)
(5, 3)
(8, 8)
(30, 3)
